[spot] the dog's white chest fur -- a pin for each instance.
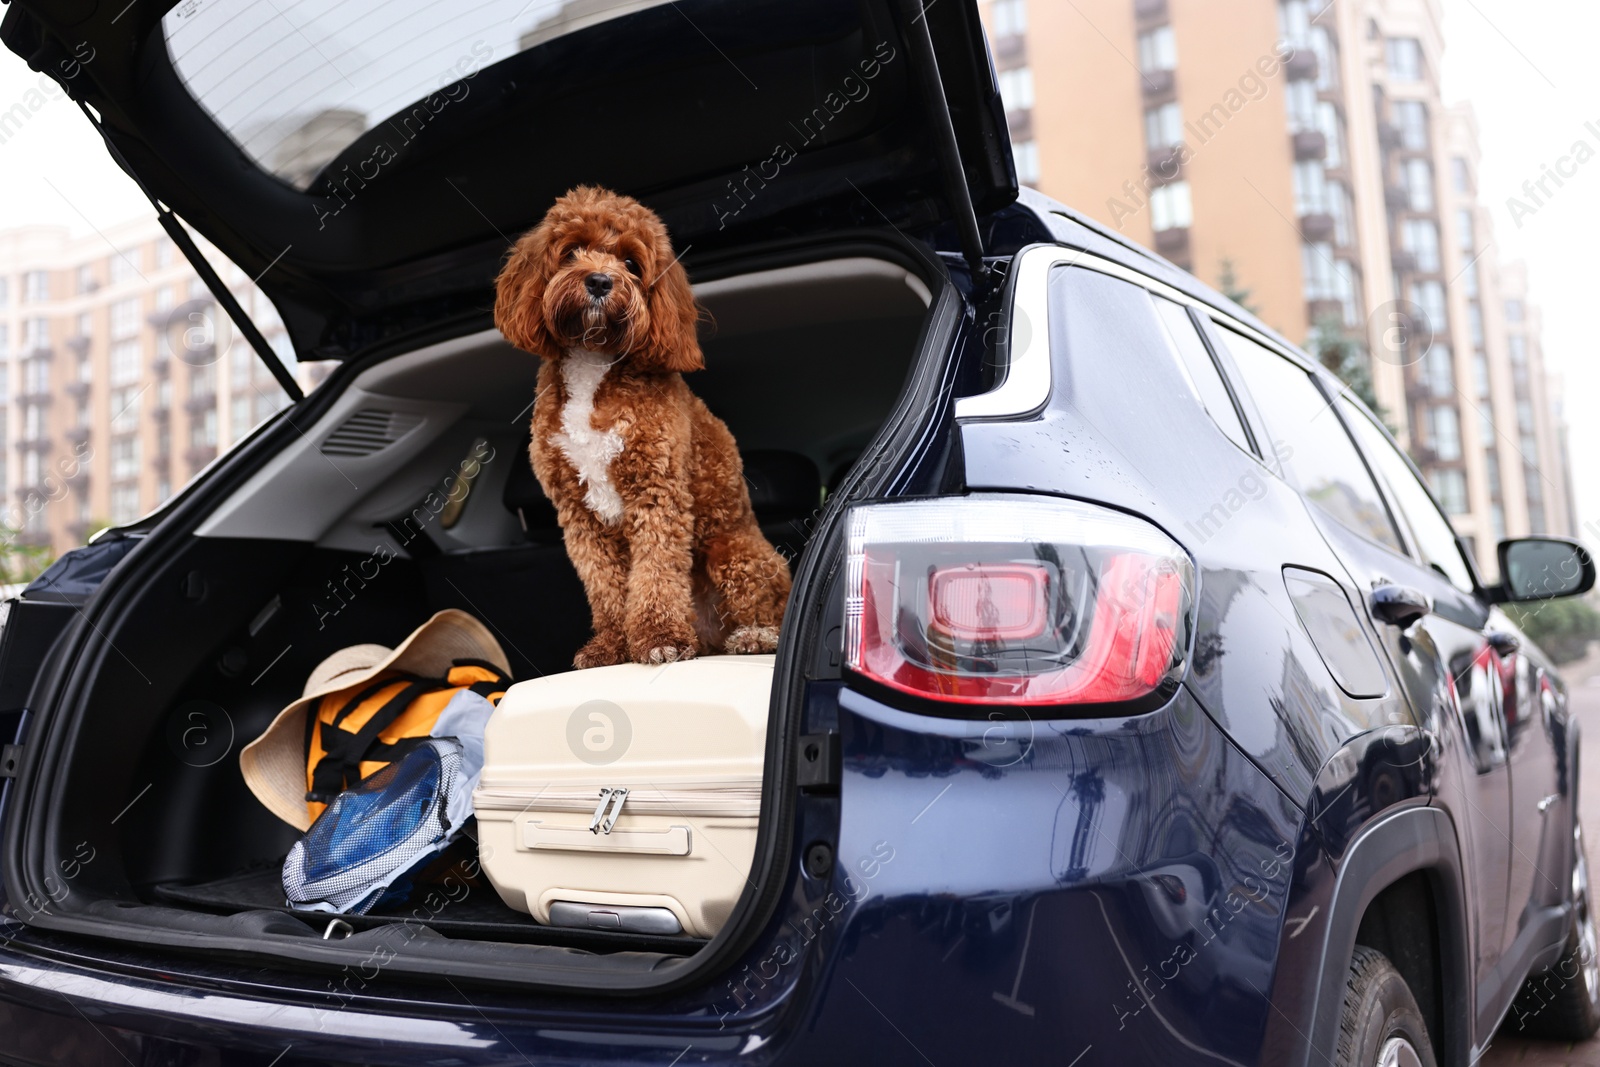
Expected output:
(590, 451)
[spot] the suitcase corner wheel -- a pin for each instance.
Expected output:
(627, 798)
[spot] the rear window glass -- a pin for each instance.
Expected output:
(1311, 441)
(295, 83)
(1197, 366)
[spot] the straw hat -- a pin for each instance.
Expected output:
(274, 764)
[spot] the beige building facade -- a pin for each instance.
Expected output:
(119, 377)
(1300, 152)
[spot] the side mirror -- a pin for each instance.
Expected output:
(1542, 568)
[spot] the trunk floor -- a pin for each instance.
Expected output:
(478, 915)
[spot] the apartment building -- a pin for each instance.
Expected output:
(119, 377)
(1300, 151)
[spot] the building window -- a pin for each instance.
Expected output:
(122, 265)
(1016, 88)
(1517, 348)
(1491, 464)
(86, 279)
(1332, 127)
(124, 458)
(1515, 312)
(1026, 155)
(1300, 100)
(1412, 118)
(1419, 184)
(1170, 208)
(1422, 240)
(1348, 280)
(202, 381)
(35, 377)
(203, 429)
(1446, 432)
(124, 504)
(1158, 50)
(125, 318)
(35, 334)
(5, 292)
(1469, 279)
(1163, 127)
(1310, 188)
(126, 362)
(1480, 374)
(35, 287)
(1294, 22)
(1316, 263)
(1465, 235)
(1405, 58)
(1497, 519)
(1450, 486)
(270, 402)
(1009, 17)
(1430, 298)
(163, 250)
(1461, 174)
(164, 298)
(1327, 59)
(125, 409)
(5, 344)
(1475, 323)
(1343, 210)
(1438, 370)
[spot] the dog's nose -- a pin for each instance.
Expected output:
(598, 284)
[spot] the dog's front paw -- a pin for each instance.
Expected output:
(602, 650)
(666, 645)
(748, 640)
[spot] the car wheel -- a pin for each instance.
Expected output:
(1563, 1001)
(1381, 1026)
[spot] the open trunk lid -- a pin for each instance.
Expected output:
(371, 160)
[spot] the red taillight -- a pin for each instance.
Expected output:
(1014, 600)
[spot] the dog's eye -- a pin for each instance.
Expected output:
(572, 254)
(633, 268)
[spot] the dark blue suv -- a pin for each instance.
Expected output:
(1135, 702)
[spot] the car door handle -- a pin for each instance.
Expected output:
(1502, 642)
(1399, 605)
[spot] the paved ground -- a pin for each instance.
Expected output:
(1506, 1050)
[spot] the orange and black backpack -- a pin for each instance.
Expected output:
(359, 731)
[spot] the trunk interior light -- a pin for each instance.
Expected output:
(994, 599)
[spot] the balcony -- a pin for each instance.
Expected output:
(1165, 164)
(161, 366)
(37, 351)
(76, 389)
(1389, 136)
(160, 462)
(1174, 244)
(1316, 227)
(35, 444)
(1310, 144)
(1403, 261)
(76, 435)
(1020, 123)
(196, 405)
(1301, 65)
(1158, 83)
(42, 398)
(1322, 310)
(161, 414)
(78, 479)
(1396, 198)
(1010, 51)
(1149, 10)
(200, 455)
(79, 343)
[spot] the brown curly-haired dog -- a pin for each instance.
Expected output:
(647, 483)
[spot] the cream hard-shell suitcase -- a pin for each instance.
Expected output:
(626, 797)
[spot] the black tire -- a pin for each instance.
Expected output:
(1562, 1002)
(1381, 1026)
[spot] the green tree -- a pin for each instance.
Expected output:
(20, 561)
(1341, 353)
(1563, 628)
(1229, 285)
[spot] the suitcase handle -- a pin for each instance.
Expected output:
(670, 841)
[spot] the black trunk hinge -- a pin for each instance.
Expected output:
(191, 252)
(920, 38)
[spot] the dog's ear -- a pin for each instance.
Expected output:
(519, 295)
(671, 343)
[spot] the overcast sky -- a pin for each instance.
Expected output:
(1528, 66)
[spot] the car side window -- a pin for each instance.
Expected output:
(1436, 541)
(1197, 366)
(1308, 438)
